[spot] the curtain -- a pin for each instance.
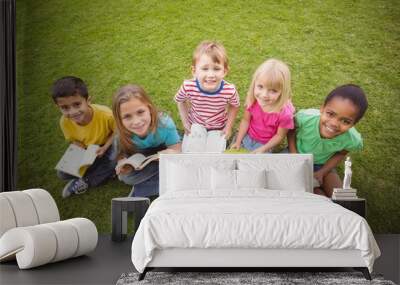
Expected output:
(8, 159)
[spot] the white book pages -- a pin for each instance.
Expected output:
(76, 159)
(345, 194)
(199, 140)
(334, 197)
(137, 161)
(344, 197)
(216, 142)
(90, 155)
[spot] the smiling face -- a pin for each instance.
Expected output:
(75, 108)
(136, 117)
(337, 117)
(209, 73)
(265, 95)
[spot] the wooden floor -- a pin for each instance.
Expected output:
(110, 260)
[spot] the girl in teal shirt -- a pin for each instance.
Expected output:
(141, 129)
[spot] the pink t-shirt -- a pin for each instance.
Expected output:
(263, 126)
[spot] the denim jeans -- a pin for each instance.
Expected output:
(100, 171)
(319, 166)
(148, 188)
(250, 144)
(145, 181)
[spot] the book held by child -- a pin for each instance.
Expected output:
(201, 140)
(76, 159)
(138, 161)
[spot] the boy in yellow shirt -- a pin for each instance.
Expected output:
(83, 123)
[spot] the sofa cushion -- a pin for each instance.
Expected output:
(45, 206)
(7, 215)
(23, 208)
(26, 208)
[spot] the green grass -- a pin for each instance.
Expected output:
(111, 43)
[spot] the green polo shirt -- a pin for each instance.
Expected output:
(308, 138)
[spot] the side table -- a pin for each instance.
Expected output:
(357, 205)
(120, 207)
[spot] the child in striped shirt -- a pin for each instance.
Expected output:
(208, 99)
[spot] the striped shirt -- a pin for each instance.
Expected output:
(208, 109)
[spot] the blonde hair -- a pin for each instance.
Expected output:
(213, 49)
(123, 95)
(277, 76)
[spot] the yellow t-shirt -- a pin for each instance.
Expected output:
(97, 131)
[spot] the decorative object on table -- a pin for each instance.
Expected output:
(356, 205)
(120, 207)
(243, 278)
(31, 231)
(345, 193)
(347, 174)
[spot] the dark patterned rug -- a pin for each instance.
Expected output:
(231, 278)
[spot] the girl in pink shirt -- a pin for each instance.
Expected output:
(269, 111)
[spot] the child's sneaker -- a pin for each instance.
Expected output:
(75, 186)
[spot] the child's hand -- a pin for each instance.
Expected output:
(78, 143)
(319, 175)
(236, 145)
(258, 151)
(226, 133)
(124, 169)
(168, 151)
(187, 126)
(101, 150)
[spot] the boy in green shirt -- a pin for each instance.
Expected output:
(329, 134)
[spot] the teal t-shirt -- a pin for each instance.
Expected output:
(165, 133)
(308, 138)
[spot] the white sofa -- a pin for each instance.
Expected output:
(31, 231)
(247, 210)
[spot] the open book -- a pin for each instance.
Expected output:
(138, 161)
(76, 159)
(199, 140)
